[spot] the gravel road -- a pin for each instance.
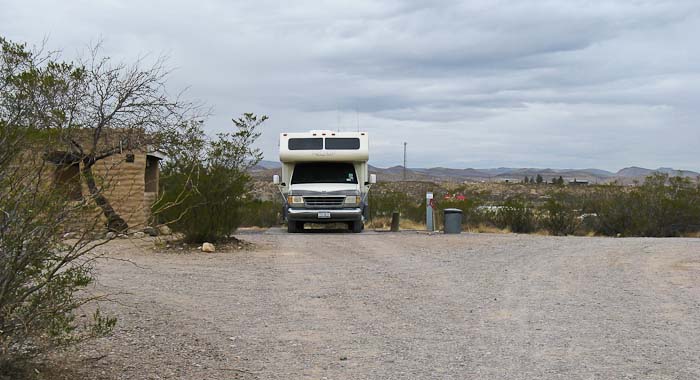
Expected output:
(405, 306)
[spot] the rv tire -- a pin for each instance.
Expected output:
(294, 227)
(357, 227)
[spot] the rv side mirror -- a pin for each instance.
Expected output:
(276, 179)
(372, 179)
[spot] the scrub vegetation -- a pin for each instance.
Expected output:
(56, 116)
(47, 239)
(204, 186)
(660, 207)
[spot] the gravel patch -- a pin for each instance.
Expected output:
(405, 306)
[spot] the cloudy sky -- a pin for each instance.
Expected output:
(562, 84)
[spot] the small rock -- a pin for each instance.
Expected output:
(150, 231)
(164, 230)
(208, 247)
(343, 358)
(110, 235)
(139, 235)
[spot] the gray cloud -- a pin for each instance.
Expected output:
(477, 83)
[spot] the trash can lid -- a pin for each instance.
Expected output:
(452, 211)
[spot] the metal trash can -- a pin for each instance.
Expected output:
(453, 220)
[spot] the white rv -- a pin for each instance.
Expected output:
(325, 178)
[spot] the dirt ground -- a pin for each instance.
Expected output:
(403, 306)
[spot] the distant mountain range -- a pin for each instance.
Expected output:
(265, 164)
(395, 173)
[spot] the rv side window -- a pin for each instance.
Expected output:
(305, 144)
(343, 143)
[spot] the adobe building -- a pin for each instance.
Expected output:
(130, 182)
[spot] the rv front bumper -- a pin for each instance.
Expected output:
(324, 216)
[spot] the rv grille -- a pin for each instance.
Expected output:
(324, 201)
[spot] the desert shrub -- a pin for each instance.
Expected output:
(203, 187)
(259, 213)
(470, 213)
(669, 207)
(516, 215)
(383, 204)
(611, 207)
(558, 217)
(41, 275)
(660, 207)
(211, 210)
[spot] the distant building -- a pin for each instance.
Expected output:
(578, 182)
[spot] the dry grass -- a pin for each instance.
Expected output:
(252, 228)
(407, 224)
(411, 225)
(487, 229)
(404, 224)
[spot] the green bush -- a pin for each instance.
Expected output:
(42, 276)
(203, 188)
(558, 218)
(383, 204)
(661, 207)
(211, 210)
(470, 213)
(258, 213)
(613, 214)
(515, 215)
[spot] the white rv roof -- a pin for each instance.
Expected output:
(324, 145)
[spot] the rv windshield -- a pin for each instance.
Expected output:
(324, 172)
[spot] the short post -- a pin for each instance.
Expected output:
(429, 211)
(395, 222)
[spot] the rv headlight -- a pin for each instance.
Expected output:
(295, 199)
(352, 200)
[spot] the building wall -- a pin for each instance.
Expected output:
(124, 184)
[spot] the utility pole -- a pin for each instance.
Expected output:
(404, 160)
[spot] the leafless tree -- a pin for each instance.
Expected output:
(56, 112)
(110, 108)
(40, 269)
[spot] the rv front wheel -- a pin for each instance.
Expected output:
(294, 227)
(357, 227)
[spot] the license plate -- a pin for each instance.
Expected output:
(324, 215)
